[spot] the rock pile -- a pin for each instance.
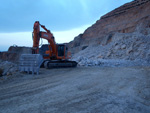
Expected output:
(125, 48)
(8, 68)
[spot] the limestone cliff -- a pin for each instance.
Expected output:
(130, 17)
(14, 52)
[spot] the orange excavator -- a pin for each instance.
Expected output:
(57, 55)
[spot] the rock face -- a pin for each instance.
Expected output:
(128, 18)
(14, 53)
(119, 37)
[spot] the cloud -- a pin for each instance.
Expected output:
(58, 15)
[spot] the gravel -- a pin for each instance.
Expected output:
(78, 90)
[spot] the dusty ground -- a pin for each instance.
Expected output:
(81, 89)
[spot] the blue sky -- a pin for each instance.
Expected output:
(65, 18)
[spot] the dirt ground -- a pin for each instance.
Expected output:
(81, 89)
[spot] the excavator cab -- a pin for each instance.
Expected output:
(61, 50)
(60, 60)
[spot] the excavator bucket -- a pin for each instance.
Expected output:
(30, 63)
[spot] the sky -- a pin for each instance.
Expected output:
(66, 19)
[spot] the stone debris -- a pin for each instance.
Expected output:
(8, 68)
(126, 49)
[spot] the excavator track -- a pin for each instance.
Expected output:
(58, 64)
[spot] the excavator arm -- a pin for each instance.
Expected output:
(37, 34)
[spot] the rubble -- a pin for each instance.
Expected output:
(125, 49)
(8, 68)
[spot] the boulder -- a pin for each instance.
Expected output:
(8, 68)
(123, 46)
